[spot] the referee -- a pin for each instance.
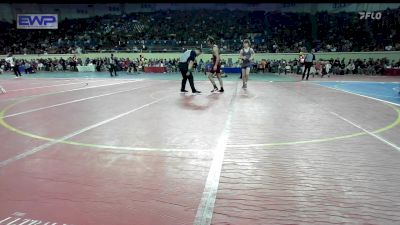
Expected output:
(308, 63)
(112, 66)
(186, 67)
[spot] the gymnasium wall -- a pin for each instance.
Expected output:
(392, 55)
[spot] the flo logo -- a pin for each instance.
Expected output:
(370, 15)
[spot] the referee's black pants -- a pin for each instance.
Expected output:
(183, 67)
(16, 71)
(307, 67)
(113, 68)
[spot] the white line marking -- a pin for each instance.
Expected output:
(370, 133)
(51, 81)
(386, 96)
(377, 99)
(355, 81)
(73, 101)
(76, 89)
(48, 144)
(206, 207)
(122, 149)
(56, 85)
(25, 78)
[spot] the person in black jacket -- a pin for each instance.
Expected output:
(63, 64)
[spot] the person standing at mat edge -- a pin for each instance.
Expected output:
(2, 90)
(186, 63)
(216, 67)
(112, 66)
(308, 63)
(247, 56)
(14, 65)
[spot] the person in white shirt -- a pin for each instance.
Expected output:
(288, 69)
(328, 67)
(2, 90)
(40, 66)
(388, 48)
(14, 65)
(78, 50)
(350, 67)
(387, 66)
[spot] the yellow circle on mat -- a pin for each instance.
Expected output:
(27, 134)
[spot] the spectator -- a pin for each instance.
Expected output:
(350, 68)
(152, 31)
(328, 69)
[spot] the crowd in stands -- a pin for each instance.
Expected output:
(101, 64)
(334, 66)
(173, 30)
(321, 67)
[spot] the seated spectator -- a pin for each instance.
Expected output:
(262, 66)
(336, 67)
(350, 68)
(288, 69)
(328, 69)
(40, 66)
(318, 68)
(388, 65)
(27, 67)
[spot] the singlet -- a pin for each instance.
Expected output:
(246, 62)
(214, 57)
